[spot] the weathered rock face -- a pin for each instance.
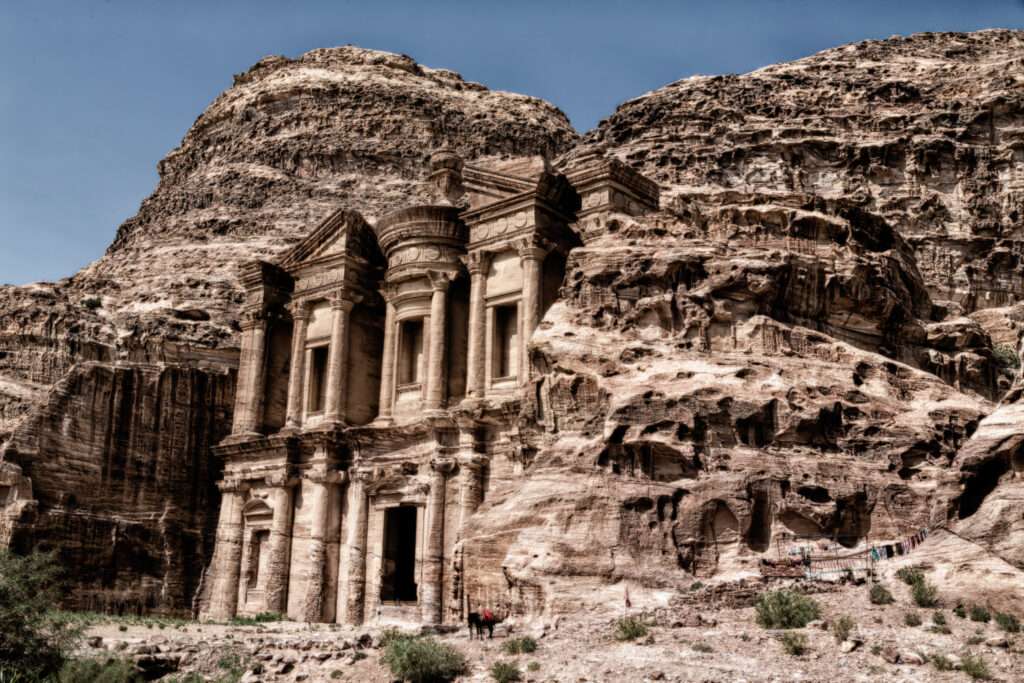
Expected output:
(925, 133)
(114, 383)
(814, 338)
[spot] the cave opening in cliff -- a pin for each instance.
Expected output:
(981, 483)
(398, 573)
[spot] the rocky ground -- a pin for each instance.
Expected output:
(689, 639)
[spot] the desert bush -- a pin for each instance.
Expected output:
(98, 671)
(912, 619)
(518, 646)
(702, 647)
(533, 666)
(980, 614)
(505, 672)
(941, 662)
(960, 611)
(909, 575)
(1008, 622)
(785, 609)
(794, 643)
(938, 618)
(975, 667)
(630, 628)
(925, 594)
(423, 660)
(1006, 356)
(843, 627)
(261, 618)
(35, 638)
(696, 585)
(880, 595)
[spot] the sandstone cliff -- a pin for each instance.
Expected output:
(814, 336)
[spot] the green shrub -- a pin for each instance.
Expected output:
(880, 595)
(630, 628)
(696, 585)
(975, 667)
(35, 638)
(939, 628)
(518, 646)
(533, 666)
(960, 611)
(261, 618)
(912, 619)
(980, 614)
(794, 643)
(702, 647)
(925, 594)
(1006, 356)
(423, 660)
(975, 640)
(785, 609)
(505, 672)
(843, 627)
(1008, 622)
(938, 618)
(98, 671)
(941, 662)
(909, 575)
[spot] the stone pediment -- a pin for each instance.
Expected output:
(344, 234)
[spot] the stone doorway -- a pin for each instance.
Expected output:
(398, 573)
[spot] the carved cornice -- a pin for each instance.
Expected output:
(233, 486)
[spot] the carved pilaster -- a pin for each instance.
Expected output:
(300, 318)
(337, 362)
(436, 354)
(252, 367)
(433, 561)
(478, 263)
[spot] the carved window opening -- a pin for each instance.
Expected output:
(505, 344)
(317, 396)
(398, 571)
(410, 356)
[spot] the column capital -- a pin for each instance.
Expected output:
(442, 466)
(477, 262)
(325, 477)
(473, 462)
(533, 247)
(252, 318)
(440, 279)
(344, 300)
(280, 480)
(232, 486)
(299, 309)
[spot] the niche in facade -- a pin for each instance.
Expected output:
(410, 353)
(317, 379)
(506, 342)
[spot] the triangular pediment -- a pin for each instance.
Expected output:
(343, 233)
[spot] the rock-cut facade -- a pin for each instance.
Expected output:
(380, 381)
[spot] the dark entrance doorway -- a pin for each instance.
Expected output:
(398, 583)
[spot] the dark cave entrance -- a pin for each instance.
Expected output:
(398, 573)
(981, 483)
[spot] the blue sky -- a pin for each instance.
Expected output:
(93, 94)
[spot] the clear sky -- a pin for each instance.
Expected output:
(93, 94)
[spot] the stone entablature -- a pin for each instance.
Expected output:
(378, 386)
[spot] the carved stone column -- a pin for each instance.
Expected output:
(433, 561)
(355, 545)
(337, 361)
(436, 353)
(279, 546)
(471, 486)
(531, 257)
(477, 263)
(227, 556)
(300, 316)
(387, 368)
(249, 404)
(319, 484)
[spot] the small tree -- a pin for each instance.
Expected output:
(794, 643)
(842, 628)
(34, 637)
(423, 660)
